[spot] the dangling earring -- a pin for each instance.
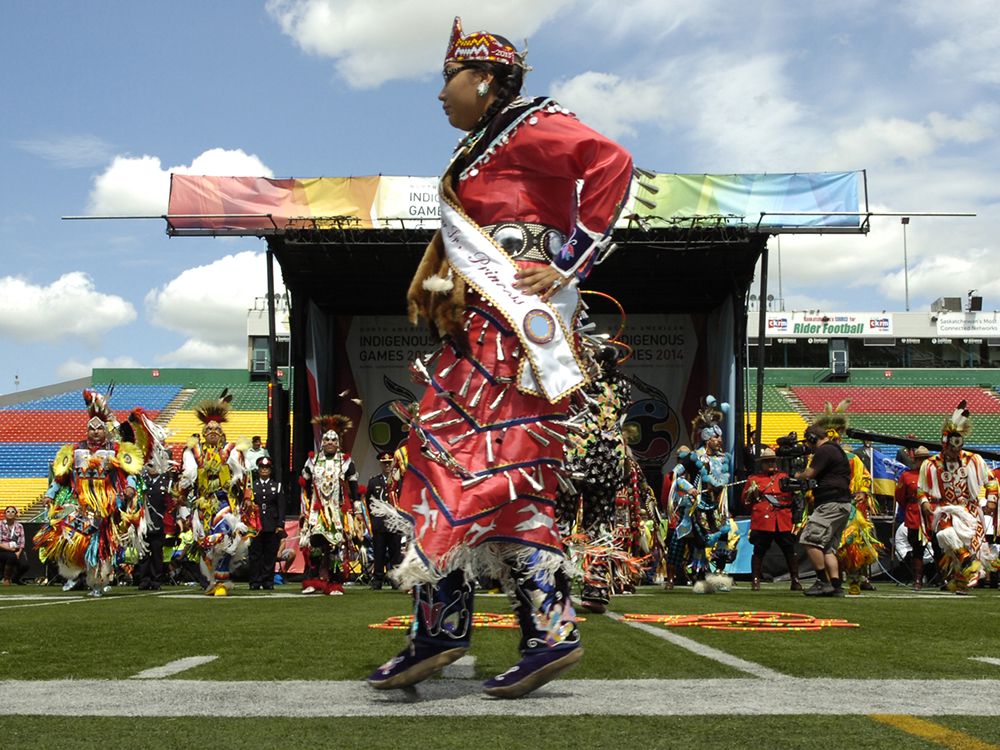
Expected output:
(482, 89)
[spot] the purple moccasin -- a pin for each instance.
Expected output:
(533, 671)
(412, 665)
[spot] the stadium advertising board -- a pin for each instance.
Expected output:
(967, 324)
(828, 324)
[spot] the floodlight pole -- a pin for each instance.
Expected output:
(781, 293)
(761, 351)
(273, 421)
(906, 266)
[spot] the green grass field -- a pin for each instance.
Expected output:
(261, 638)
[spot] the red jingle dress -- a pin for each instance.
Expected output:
(483, 455)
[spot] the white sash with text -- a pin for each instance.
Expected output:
(542, 327)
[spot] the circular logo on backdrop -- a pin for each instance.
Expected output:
(653, 430)
(386, 431)
(539, 326)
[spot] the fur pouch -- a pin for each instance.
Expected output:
(436, 293)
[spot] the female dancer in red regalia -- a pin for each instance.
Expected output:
(499, 282)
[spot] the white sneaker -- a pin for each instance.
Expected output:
(68, 586)
(309, 590)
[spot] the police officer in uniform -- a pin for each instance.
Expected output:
(159, 501)
(270, 498)
(385, 542)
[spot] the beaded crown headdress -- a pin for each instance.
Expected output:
(481, 46)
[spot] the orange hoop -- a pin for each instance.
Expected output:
(762, 622)
(621, 326)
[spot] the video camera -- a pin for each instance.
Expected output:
(789, 446)
(791, 484)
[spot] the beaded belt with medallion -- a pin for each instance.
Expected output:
(524, 240)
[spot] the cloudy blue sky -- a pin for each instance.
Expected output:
(104, 99)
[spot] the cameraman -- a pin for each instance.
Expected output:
(831, 470)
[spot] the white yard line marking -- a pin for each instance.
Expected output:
(298, 698)
(43, 604)
(173, 667)
(247, 597)
(757, 670)
(986, 660)
(29, 597)
(943, 596)
(461, 669)
(80, 596)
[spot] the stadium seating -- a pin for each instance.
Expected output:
(33, 430)
(773, 399)
(241, 424)
(22, 492)
(899, 399)
(39, 426)
(25, 460)
(888, 402)
(247, 397)
(778, 424)
(124, 397)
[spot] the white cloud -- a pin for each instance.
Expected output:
(947, 275)
(967, 39)
(880, 141)
(800, 301)
(198, 353)
(945, 257)
(69, 307)
(856, 265)
(209, 305)
(375, 42)
(610, 104)
(69, 151)
(73, 368)
(140, 185)
(978, 126)
(734, 110)
(742, 115)
(652, 20)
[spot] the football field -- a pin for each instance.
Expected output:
(178, 669)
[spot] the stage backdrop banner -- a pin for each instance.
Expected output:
(380, 348)
(234, 205)
(746, 196)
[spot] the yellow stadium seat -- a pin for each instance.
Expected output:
(241, 424)
(774, 424)
(22, 493)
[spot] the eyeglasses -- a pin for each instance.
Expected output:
(450, 73)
